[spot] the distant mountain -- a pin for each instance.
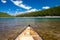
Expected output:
(2, 14)
(48, 12)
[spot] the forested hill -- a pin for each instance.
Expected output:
(48, 12)
(2, 14)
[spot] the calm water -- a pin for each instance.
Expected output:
(26, 21)
(10, 26)
(6, 23)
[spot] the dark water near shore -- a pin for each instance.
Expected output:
(9, 25)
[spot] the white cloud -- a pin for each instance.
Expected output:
(3, 1)
(45, 7)
(20, 4)
(24, 6)
(31, 10)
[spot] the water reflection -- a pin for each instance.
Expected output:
(9, 27)
(24, 21)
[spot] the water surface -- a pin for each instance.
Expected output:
(9, 26)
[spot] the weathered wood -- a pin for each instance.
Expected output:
(28, 34)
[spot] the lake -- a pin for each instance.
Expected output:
(9, 27)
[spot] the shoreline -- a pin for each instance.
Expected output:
(35, 17)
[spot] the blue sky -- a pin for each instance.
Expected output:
(21, 6)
